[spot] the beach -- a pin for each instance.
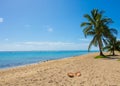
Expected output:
(94, 72)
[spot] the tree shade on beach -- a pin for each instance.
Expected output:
(113, 45)
(97, 26)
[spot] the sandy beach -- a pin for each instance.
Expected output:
(94, 72)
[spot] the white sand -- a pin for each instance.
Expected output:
(94, 72)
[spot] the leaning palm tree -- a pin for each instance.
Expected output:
(97, 27)
(112, 46)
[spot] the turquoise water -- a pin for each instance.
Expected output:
(18, 58)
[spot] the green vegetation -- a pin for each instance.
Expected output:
(112, 46)
(118, 59)
(97, 27)
(97, 57)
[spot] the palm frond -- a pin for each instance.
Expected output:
(93, 42)
(85, 24)
(105, 41)
(107, 21)
(86, 30)
(113, 31)
(94, 13)
(89, 18)
(90, 33)
(106, 48)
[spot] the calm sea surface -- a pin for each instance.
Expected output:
(18, 58)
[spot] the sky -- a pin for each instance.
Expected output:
(50, 24)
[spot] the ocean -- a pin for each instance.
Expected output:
(18, 58)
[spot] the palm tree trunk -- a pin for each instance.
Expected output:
(113, 53)
(113, 50)
(101, 53)
(100, 49)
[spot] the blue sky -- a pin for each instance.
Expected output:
(49, 24)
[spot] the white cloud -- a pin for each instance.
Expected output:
(50, 29)
(1, 20)
(47, 43)
(6, 39)
(27, 46)
(83, 39)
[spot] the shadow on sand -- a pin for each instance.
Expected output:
(111, 57)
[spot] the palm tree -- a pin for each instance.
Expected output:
(97, 27)
(113, 45)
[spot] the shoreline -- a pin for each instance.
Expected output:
(6, 68)
(36, 63)
(98, 72)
